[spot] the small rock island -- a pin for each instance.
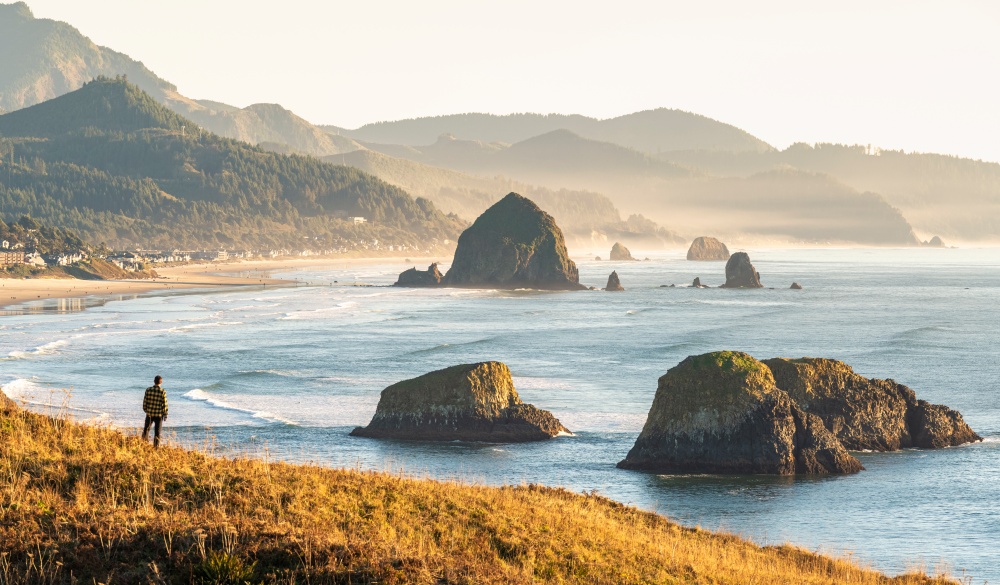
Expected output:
(513, 244)
(740, 273)
(708, 248)
(614, 285)
(621, 253)
(723, 413)
(419, 278)
(471, 402)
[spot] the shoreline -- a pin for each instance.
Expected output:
(209, 275)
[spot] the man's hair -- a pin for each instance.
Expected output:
(157, 379)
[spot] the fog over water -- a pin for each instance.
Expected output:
(290, 371)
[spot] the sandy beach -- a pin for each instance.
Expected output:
(188, 276)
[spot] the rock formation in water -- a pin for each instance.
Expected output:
(935, 242)
(513, 244)
(795, 286)
(722, 413)
(620, 252)
(707, 248)
(868, 414)
(697, 283)
(740, 273)
(472, 402)
(414, 277)
(614, 284)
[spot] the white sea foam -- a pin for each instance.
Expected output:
(200, 395)
(315, 313)
(46, 349)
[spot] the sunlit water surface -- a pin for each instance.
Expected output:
(293, 370)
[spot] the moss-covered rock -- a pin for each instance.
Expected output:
(471, 402)
(621, 253)
(708, 248)
(868, 414)
(722, 413)
(420, 278)
(513, 244)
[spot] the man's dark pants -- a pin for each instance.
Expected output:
(156, 421)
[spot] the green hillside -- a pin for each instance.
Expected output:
(128, 171)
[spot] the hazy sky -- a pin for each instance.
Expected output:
(899, 74)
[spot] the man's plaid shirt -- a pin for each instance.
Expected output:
(154, 403)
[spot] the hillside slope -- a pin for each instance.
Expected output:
(100, 506)
(112, 164)
(44, 59)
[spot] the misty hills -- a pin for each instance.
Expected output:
(586, 218)
(652, 131)
(44, 59)
(111, 163)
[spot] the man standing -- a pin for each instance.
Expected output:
(154, 404)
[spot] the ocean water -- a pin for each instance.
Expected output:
(290, 371)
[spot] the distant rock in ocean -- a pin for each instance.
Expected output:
(723, 413)
(868, 414)
(417, 278)
(795, 286)
(697, 283)
(935, 242)
(708, 248)
(598, 258)
(740, 273)
(513, 244)
(621, 253)
(472, 402)
(614, 284)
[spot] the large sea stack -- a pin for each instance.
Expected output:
(472, 402)
(740, 273)
(420, 278)
(513, 244)
(868, 414)
(722, 413)
(707, 248)
(621, 253)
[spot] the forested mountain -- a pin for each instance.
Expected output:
(586, 218)
(652, 131)
(125, 170)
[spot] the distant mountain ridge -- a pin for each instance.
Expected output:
(652, 131)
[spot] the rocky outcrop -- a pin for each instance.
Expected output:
(472, 402)
(935, 242)
(795, 286)
(697, 283)
(513, 244)
(868, 414)
(6, 404)
(614, 285)
(417, 278)
(707, 248)
(740, 273)
(620, 252)
(722, 413)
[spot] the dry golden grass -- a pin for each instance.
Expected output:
(89, 505)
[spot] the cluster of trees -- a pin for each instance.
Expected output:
(44, 239)
(135, 172)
